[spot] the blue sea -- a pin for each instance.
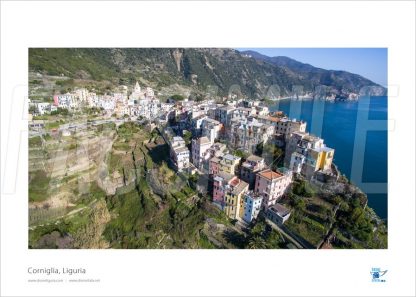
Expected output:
(343, 126)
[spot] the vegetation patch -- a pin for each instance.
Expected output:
(39, 183)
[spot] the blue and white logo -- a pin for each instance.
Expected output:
(377, 275)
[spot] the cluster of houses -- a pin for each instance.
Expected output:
(241, 187)
(140, 103)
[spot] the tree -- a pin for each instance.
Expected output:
(32, 109)
(177, 97)
(187, 136)
(344, 206)
(337, 199)
(256, 242)
(301, 204)
(274, 240)
(193, 180)
(241, 154)
(302, 188)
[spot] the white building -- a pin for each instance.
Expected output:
(278, 214)
(180, 158)
(200, 147)
(43, 107)
(247, 134)
(149, 93)
(63, 101)
(252, 206)
(211, 129)
(179, 153)
(296, 162)
(136, 93)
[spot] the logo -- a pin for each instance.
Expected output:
(377, 275)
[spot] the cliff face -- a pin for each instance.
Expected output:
(198, 69)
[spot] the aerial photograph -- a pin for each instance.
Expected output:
(207, 148)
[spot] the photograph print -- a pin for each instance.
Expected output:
(207, 148)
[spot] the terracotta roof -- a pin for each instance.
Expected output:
(240, 187)
(235, 181)
(273, 119)
(269, 174)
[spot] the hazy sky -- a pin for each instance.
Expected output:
(368, 62)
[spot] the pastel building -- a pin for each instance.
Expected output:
(307, 154)
(252, 205)
(318, 159)
(283, 126)
(200, 147)
(250, 168)
(300, 142)
(214, 165)
(229, 164)
(221, 182)
(272, 184)
(64, 101)
(233, 201)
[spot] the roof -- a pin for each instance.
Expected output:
(202, 116)
(284, 170)
(270, 118)
(231, 157)
(212, 121)
(269, 174)
(177, 138)
(309, 137)
(224, 176)
(245, 109)
(255, 158)
(219, 146)
(227, 107)
(239, 187)
(215, 159)
(180, 149)
(254, 196)
(323, 149)
(280, 210)
(203, 140)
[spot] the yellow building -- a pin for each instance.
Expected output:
(322, 158)
(318, 159)
(234, 198)
(229, 164)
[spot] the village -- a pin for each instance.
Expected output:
(221, 141)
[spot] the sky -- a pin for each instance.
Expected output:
(370, 63)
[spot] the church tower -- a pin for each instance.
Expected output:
(137, 89)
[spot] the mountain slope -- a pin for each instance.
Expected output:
(340, 82)
(226, 70)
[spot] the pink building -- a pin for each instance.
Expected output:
(214, 165)
(272, 185)
(221, 182)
